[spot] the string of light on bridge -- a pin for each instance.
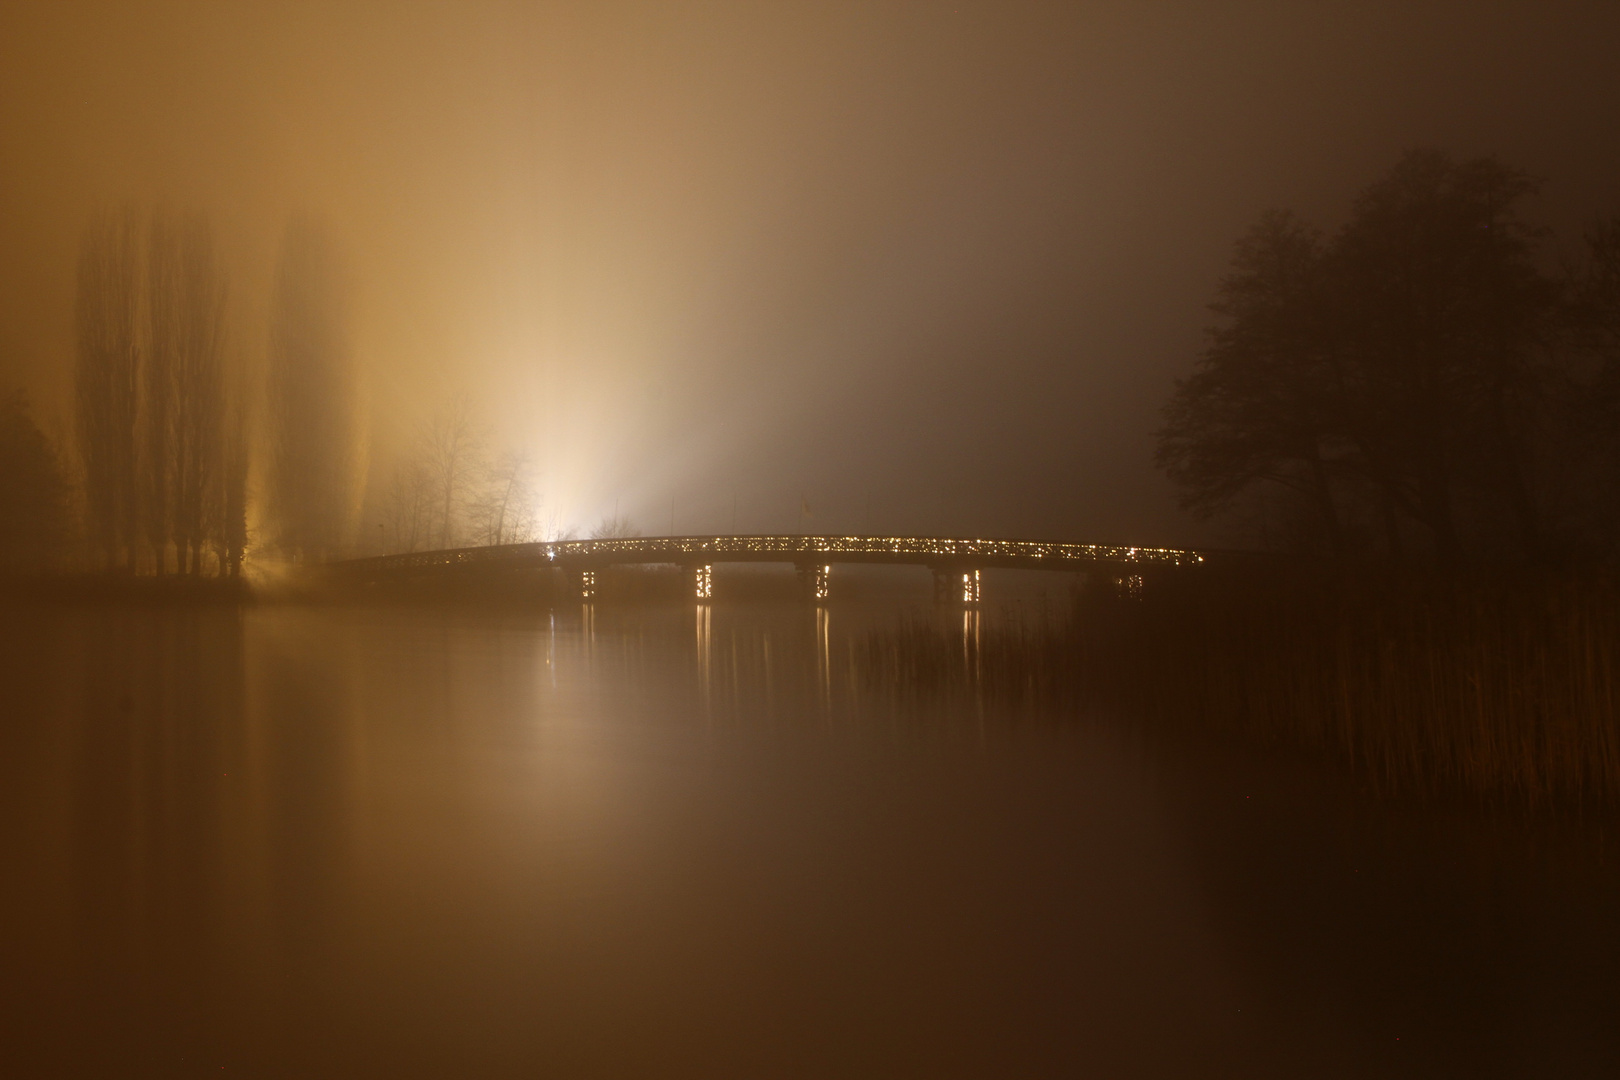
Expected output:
(788, 548)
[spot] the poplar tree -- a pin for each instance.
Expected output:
(106, 383)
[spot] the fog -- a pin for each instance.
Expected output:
(893, 266)
(809, 538)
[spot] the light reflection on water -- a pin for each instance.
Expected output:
(691, 841)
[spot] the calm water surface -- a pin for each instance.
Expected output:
(398, 843)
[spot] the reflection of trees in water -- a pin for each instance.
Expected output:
(156, 775)
(303, 722)
(208, 788)
(1505, 689)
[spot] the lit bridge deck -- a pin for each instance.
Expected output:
(955, 562)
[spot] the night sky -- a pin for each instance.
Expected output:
(924, 267)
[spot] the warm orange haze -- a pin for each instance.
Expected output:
(823, 539)
(932, 268)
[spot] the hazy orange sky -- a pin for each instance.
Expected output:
(932, 265)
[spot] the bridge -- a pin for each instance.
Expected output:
(956, 563)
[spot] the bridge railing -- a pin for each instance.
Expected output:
(786, 548)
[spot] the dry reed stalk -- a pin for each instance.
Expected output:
(1503, 688)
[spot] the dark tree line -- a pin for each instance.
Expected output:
(106, 317)
(35, 514)
(1418, 380)
(164, 465)
(162, 419)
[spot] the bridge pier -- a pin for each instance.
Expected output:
(582, 583)
(815, 582)
(956, 585)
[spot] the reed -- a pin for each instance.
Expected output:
(1503, 687)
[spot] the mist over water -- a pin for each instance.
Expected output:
(360, 361)
(690, 841)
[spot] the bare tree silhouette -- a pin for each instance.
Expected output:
(409, 506)
(107, 373)
(613, 527)
(451, 445)
(199, 395)
(164, 338)
(503, 512)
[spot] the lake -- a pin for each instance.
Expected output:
(672, 841)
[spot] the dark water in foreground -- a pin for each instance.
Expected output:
(374, 842)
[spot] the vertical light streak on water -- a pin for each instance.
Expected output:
(736, 689)
(973, 659)
(551, 648)
(824, 655)
(704, 652)
(770, 697)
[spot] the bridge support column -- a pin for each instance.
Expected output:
(815, 583)
(956, 585)
(582, 583)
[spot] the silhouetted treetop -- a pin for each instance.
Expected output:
(1398, 373)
